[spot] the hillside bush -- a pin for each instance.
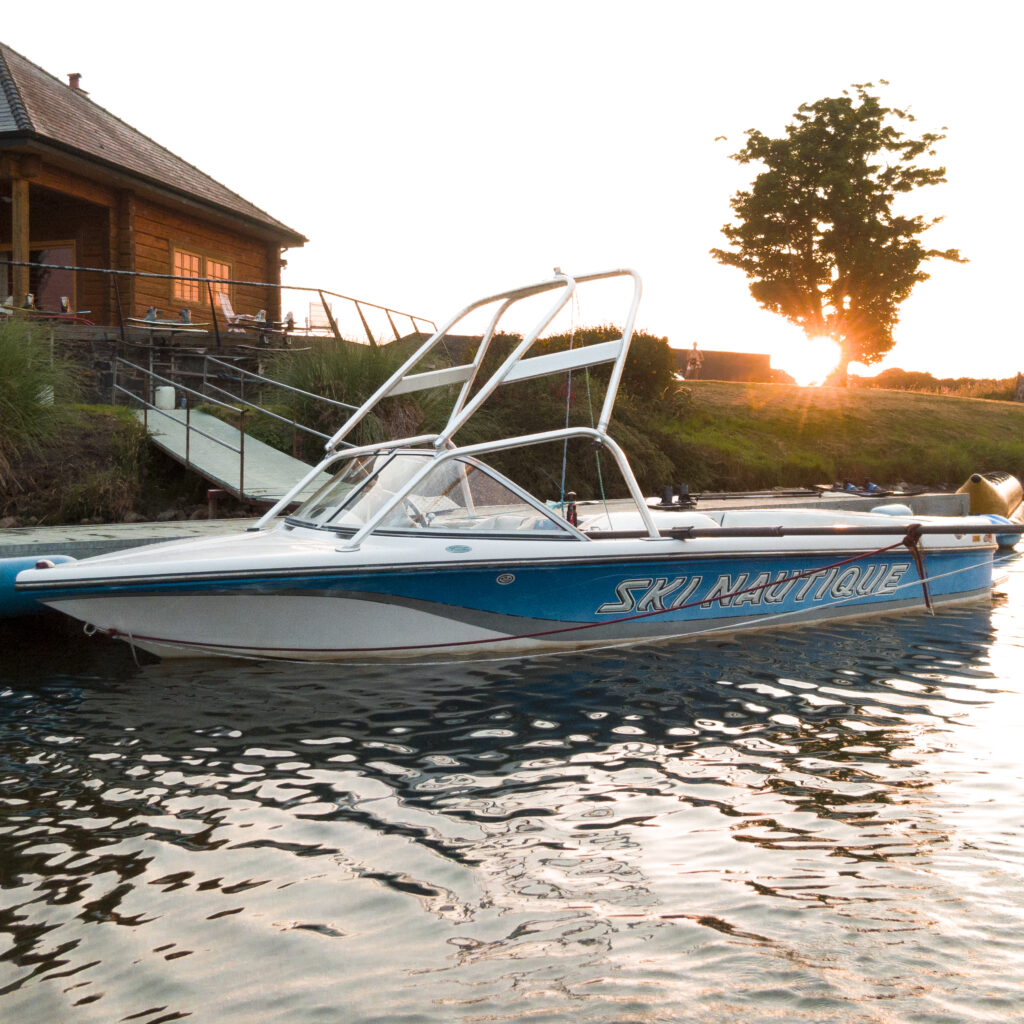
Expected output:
(994, 389)
(34, 386)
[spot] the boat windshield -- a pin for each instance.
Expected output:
(458, 495)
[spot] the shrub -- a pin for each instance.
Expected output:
(32, 384)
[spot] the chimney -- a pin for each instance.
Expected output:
(73, 79)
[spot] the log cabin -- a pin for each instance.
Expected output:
(79, 187)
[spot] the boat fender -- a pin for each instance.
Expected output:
(13, 602)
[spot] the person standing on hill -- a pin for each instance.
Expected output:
(694, 361)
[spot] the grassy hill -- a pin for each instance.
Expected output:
(764, 435)
(63, 462)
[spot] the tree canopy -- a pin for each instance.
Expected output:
(817, 233)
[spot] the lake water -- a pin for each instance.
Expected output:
(806, 825)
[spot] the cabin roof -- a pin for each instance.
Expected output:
(36, 106)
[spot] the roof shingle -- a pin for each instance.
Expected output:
(34, 104)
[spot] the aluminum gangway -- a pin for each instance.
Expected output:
(226, 455)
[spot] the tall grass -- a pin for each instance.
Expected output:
(33, 387)
(344, 372)
(108, 478)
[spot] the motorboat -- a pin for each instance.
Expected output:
(417, 547)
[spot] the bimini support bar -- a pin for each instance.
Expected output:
(627, 337)
(516, 367)
(459, 415)
(403, 381)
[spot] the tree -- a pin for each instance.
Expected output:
(817, 233)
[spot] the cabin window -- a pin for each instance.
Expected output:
(186, 265)
(221, 274)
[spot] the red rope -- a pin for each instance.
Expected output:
(705, 600)
(912, 541)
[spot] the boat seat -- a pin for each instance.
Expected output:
(508, 522)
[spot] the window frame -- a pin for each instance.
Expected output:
(226, 279)
(178, 283)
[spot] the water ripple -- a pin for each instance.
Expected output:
(805, 825)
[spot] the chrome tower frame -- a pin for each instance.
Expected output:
(516, 367)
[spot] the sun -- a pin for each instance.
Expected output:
(807, 360)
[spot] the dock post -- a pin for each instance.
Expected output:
(241, 457)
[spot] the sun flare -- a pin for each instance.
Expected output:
(808, 360)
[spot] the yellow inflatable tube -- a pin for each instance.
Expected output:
(998, 494)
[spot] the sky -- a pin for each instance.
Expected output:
(435, 152)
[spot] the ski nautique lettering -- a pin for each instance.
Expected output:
(805, 585)
(869, 580)
(891, 580)
(779, 590)
(655, 591)
(624, 592)
(723, 588)
(753, 596)
(686, 593)
(823, 589)
(663, 593)
(654, 599)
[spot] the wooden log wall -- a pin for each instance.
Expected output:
(159, 231)
(118, 228)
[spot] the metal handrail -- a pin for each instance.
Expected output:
(173, 383)
(279, 384)
(267, 412)
(163, 412)
(210, 281)
(152, 375)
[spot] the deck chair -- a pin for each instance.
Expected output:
(318, 319)
(239, 321)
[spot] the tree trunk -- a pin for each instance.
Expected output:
(838, 377)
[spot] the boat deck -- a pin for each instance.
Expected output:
(85, 541)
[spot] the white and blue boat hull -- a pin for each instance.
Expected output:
(489, 604)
